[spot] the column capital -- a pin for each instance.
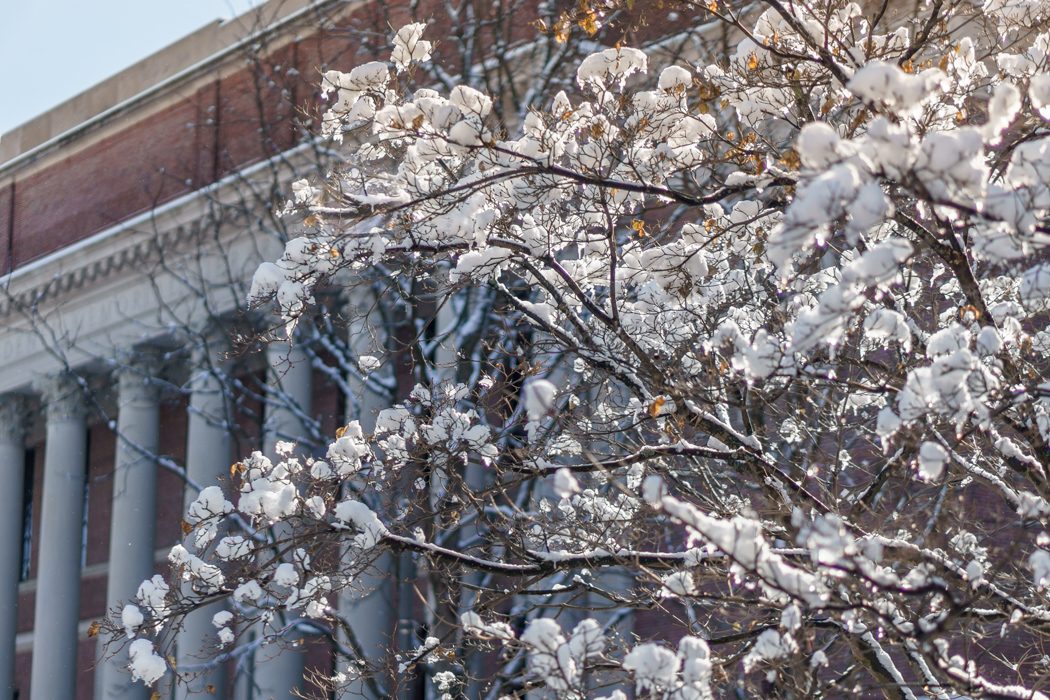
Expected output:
(62, 396)
(136, 378)
(13, 418)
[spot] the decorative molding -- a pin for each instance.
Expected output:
(132, 256)
(62, 395)
(137, 377)
(13, 423)
(133, 245)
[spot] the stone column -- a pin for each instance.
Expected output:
(61, 524)
(207, 460)
(279, 666)
(12, 470)
(133, 518)
(368, 605)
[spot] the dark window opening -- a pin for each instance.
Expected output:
(87, 499)
(28, 476)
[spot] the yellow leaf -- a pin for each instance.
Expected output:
(589, 23)
(561, 30)
(340, 432)
(790, 159)
(969, 313)
(708, 91)
(94, 628)
(709, 225)
(908, 66)
(310, 220)
(943, 63)
(656, 405)
(155, 695)
(639, 227)
(712, 6)
(333, 253)
(236, 468)
(752, 61)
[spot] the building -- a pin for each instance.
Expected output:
(132, 217)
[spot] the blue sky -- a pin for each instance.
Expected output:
(51, 50)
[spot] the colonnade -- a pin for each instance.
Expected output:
(275, 672)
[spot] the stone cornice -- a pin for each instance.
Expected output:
(220, 53)
(129, 248)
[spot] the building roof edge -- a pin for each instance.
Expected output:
(204, 49)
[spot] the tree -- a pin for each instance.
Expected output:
(761, 348)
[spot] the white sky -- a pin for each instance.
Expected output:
(51, 50)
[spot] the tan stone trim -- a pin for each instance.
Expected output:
(60, 136)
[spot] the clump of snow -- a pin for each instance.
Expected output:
(565, 483)
(248, 591)
(1002, 108)
(680, 583)
(146, 665)
(818, 145)
(655, 667)
(886, 83)
(362, 517)
(769, 645)
(1039, 561)
(233, 547)
(1035, 287)
(152, 595)
(1039, 93)
(131, 617)
(932, 458)
(349, 450)
(539, 397)
(369, 363)
(286, 575)
(674, 78)
(209, 503)
(410, 47)
(473, 624)
(611, 64)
